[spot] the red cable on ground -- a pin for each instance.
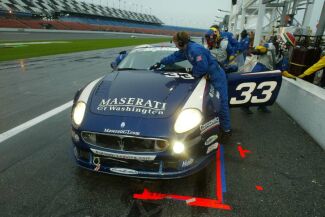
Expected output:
(259, 188)
(243, 152)
(192, 201)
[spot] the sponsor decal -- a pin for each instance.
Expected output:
(188, 162)
(122, 124)
(210, 140)
(181, 75)
(247, 90)
(209, 125)
(124, 156)
(217, 94)
(137, 105)
(211, 92)
(124, 171)
(127, 132)
(212, 147)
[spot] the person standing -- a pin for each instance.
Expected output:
(264, 63)
(203, 64)
(243, 44)
(221, 48)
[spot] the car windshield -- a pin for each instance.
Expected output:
(145, 57)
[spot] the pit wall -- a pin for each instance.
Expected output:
(305, 103)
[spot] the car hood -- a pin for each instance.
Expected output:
(141, 93)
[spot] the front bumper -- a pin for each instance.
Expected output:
(141, 163)
(157, 169)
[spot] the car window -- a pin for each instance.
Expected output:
(144, 58)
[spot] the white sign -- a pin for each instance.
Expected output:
(137, 105)
(124, 171)
(212, 147)
(124, 156)
(209, 125)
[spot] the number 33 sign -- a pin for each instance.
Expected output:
(266, 89)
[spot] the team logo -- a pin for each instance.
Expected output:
(209, 125)
(124, 171)
(211, 92)
(122, 124)
(217, 95)
(125, 131)
(214, 93)
(137, 105)
(124, 156)
(212, 147)
(211, 139)
(188, 162)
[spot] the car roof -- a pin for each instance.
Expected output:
(148, 47)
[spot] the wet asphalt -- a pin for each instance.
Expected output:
(38, 175)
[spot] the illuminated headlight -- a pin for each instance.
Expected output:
(187, 120)
(178, 147)
(78, 113)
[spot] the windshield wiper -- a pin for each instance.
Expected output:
(123, 69)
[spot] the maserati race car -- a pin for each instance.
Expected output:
(157, 123)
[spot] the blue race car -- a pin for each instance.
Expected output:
(158, 124)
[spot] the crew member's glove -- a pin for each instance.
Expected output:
(302, 75)
(231, 58)
(156, 66)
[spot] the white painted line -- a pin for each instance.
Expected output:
(14, 131)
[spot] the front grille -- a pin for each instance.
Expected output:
(149, 166)
(171, 165)
(125, 143)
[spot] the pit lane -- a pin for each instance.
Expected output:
(272, 167)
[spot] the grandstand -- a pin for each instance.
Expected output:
(76, 15)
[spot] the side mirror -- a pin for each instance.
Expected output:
(113, 65)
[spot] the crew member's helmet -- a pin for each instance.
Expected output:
(212, 37)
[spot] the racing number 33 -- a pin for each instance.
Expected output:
(247, 94)
(178, 75)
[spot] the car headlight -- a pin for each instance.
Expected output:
(178, 147)
(78, 113)
(187, 120)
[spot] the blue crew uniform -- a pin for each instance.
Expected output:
(231, 39)
(283, 64)
(259, 67)
(118, 59)
(243, 46)
(204, 63)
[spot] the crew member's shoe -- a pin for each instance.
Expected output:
(246, 110)
(263, 109)
(225, 136)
